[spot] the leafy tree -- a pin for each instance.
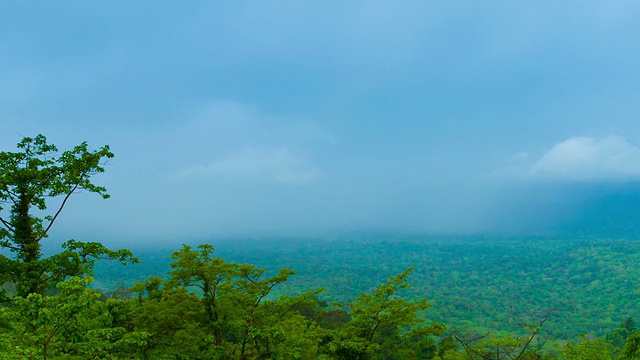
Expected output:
(333, 318)
(588, 350)
(169, 322)
(239, 317)
(618, 336)
(384, 326)
(70, 325)
(631, 349)
(483, 347)
(447, 344)
(28, 178)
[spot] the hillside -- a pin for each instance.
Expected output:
(480, 283)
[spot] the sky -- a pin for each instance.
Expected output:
(293, 118)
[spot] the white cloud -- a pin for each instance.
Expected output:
(611, 158)
(278, 165)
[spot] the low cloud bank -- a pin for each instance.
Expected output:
(611, 158)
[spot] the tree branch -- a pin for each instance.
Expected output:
(12, 196)
(289, 309)
(52, 274)
(537, 330)
(44, 233)
(6, 245)
(57, 328)
(468, 348)
(7, 225)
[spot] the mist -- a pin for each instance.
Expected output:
(291, 120)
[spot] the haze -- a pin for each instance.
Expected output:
(287, 118)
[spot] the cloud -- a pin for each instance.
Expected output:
(611, 158)
(233, 141)
(279, 165)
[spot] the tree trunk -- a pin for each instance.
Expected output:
(25, 238)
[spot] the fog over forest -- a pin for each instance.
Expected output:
(267, 119)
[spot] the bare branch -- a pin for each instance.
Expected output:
(6, 245)
(7, 225)
(468, 348)
(535, 332)
(12, 196)
(44, 233)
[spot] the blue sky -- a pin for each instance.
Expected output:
(252, 118)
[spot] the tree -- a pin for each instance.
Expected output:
(28, 179)
(588, 350)
(241, 317)
(617, 338)
(70, 325)
(482, 347)
(632, 347)
(383, 326)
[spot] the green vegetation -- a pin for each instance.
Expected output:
(27, 179)
(481, 284)
(230, 319)
(510, 299)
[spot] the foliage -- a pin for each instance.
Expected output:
(631, 349)
(382, 324)
(28, 178)
(472, 283)
(240, 318)
(510, 346)
(213, 309)
(69, 325)
(588, 350)
(617, 338)
(210, 308)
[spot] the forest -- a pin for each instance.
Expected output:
(357, 297)
(474, 285)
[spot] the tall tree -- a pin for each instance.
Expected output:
(242, 317)
(29, 177)
(383, 325)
